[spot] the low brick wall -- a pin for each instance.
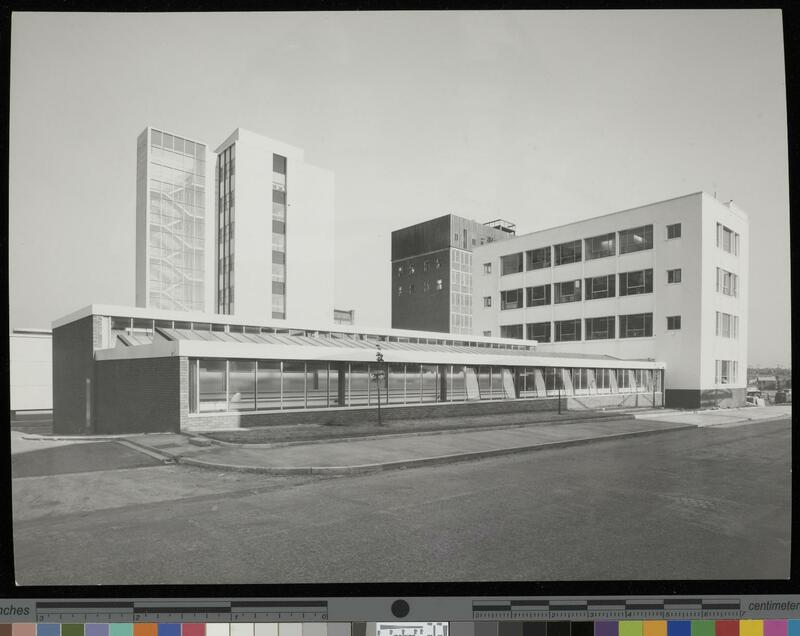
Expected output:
(613, 400)
(333, 417)
(138, 396)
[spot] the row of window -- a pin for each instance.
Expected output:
(438, 285)
(251, 385)
(598, 328)
(630, 284)
(410, 268)
(632, 240)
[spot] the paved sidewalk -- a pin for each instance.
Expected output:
(718, 417)
(358, 456)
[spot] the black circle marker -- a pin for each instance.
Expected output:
(400, 608)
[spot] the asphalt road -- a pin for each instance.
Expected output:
(705, 503)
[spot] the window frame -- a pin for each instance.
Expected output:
(677, 276)
(671, 228)
(610, 291)
(505, 260)
(559, 326)
(558, 296)
(647, 277)
(487, 301)
(593, 254)
(628, 245)
(549, 331)
(577, 252)
(547, 296)
(531, 265)
(589, 333)
(504, 302)
(673, 323)
(625, 330)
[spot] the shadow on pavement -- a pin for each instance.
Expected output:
(78, 458)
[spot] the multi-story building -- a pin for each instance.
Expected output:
(666, 281)
(172, 232)
(275, 226)
(432, 272)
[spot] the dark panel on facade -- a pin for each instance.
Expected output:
(421, 238)
(138, 396)
(422, 306)
(708, 398)
(73, 376)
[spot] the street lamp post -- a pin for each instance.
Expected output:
(377, 376)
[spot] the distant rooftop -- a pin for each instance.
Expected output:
(500, 224)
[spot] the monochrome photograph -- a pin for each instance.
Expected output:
(401, 296)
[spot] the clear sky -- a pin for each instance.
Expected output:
(541, 118)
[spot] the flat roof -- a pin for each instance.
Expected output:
(236, 320)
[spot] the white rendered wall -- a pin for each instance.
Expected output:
(716, 347)
(671, 347)
(31, 371)
(310, 227)
(309, 231)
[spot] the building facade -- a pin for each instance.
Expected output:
(125, 369)
(274, 231)
(172, 229)
(431, 274)
(666, 281)
(31, 370)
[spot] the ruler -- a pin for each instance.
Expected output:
(639, 608)
(155, 612)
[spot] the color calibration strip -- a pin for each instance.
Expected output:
(477, 628)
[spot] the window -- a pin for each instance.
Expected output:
(567, 292)
(439, 284)
(539, 295)
(538, 259)
(568, 252)
(567, 330)
(511, 299)
(511, 331)
(602, 378)
(399, 270)
(673, 323)
(424, 266)
(487, 268)
(487, 333)
(601, 287)
(539, 331)
(636, 239)
(437, 263)
(455, 237)
(727, 325)
(278, 164)
(411, 288)
(673, 276)
(726, 372)
(636, 326)
(426, 286)
(600, 246)
(727, 283)
(674, 231)
(487, 301)
(632, 283)
(602, 328)
(727, 239)
(510, 264)
(411, 269)
(399, 290)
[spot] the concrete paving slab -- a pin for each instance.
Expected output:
(376, 454)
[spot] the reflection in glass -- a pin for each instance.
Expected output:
(294, 385)
(213, 386)
(268, 384)
(242, 380)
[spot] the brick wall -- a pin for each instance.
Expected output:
(139, 396)
(213, 421)
(73, 369)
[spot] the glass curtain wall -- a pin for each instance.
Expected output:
(270, 385)
(176, 187)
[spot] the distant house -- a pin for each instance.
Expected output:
(767, 382)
